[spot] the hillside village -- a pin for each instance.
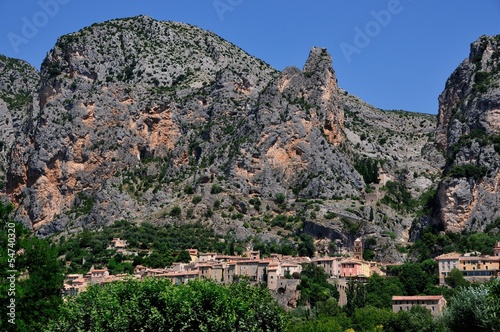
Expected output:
(167, 167)
(281, 273)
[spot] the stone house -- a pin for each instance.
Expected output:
(331, 265)
(479, 268)
(272, 276)
(193, 253)
(248, 269)
(253, 254)
(355, 268)
(97, 276)
(205, 271)
(434, 303)
(182, 277)
(117, 243)
(290, 268)
(446, 263)
(206, 256)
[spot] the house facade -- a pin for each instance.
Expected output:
(446, 263)
(331, 265)
(354, 268)
(435, 303)
(474, 267)
(479, 268)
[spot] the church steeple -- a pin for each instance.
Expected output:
(358, 249)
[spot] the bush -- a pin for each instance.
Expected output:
(280, 198)
(482, 81)
(279, 220)
(370, 318)
(322, 324)
(176, 211)
(196, 199)
(417, 319)
(330, 215)
(216, 189)
(473, 309)
(189, 190)
(468, 171)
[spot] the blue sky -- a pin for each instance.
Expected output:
(394, 54)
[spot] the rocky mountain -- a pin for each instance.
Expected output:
(468, 132)
(155, 121)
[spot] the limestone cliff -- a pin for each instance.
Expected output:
(145, 120)
(127, 120)
(468, 132)
(18, 104)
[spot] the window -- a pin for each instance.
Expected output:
(400, 308)
(432, 308)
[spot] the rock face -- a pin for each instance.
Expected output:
(108, 106)
(19, 82)
(303, 122)
(469, 132)
(163, 102)
(159, 121)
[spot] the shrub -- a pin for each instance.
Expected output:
(472, 309)
(280, 198)
(188, 190)
(279, 220)
(196, 199)
(468, 171)
(216, 189)
(330, 215)
(176, 211)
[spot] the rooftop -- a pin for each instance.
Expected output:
(418, 298)
(450, 255)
